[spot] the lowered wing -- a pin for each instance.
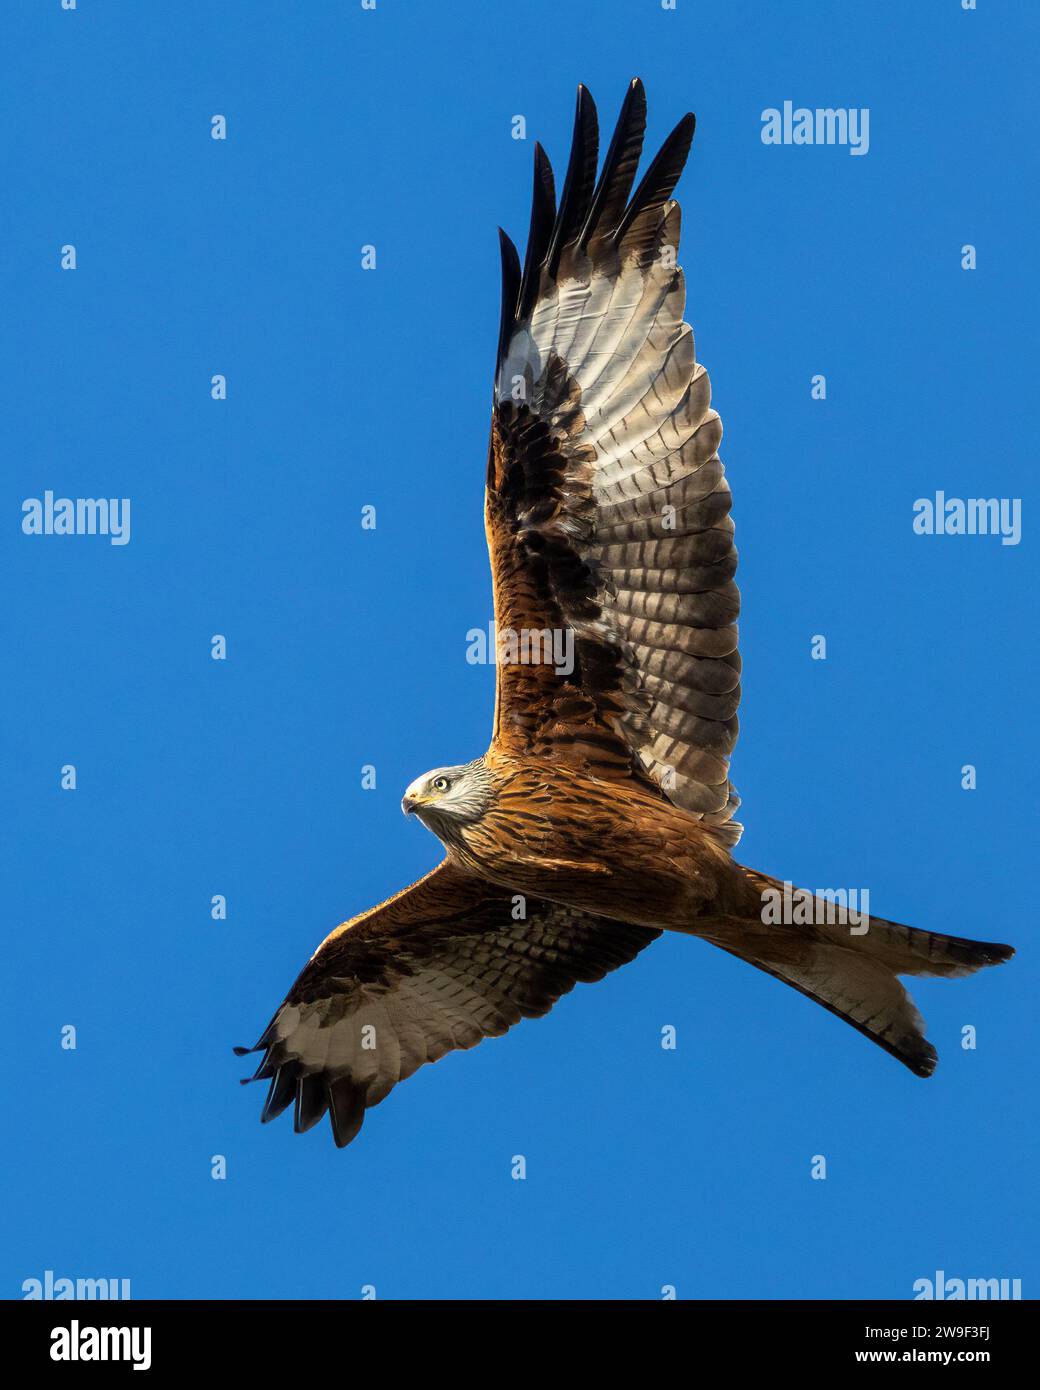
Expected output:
(440, 966)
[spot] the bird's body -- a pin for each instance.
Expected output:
(599, 846)
(602, 812)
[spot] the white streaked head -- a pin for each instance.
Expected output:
(455, 793)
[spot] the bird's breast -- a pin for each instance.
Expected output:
(589, 847)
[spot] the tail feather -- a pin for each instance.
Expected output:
(850, 967)
(863, 993)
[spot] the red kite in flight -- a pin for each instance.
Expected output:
(602, 813)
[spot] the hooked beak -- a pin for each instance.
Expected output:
(410, 804)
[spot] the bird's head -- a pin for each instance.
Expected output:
(450, 795)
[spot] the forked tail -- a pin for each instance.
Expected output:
(850, 964)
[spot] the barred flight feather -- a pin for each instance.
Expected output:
(607, 507)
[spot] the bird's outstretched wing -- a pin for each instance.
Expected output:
(607, 512)
(440, 966)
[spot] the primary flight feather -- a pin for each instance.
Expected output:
(602, 813)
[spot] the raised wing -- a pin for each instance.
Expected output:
(440, 966)
(607, 511)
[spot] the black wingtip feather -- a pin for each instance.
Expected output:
(663, 174)
(264, 1070)
(312, 1100)
(347, 1101)
(619, 167)
(587, 208)
(281, 1094)
(510, 292)
(543, 217)
(580, 180)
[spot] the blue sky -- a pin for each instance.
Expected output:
(347, 647)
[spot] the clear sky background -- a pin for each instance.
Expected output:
(347, 647)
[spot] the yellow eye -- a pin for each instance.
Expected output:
(440, 784)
